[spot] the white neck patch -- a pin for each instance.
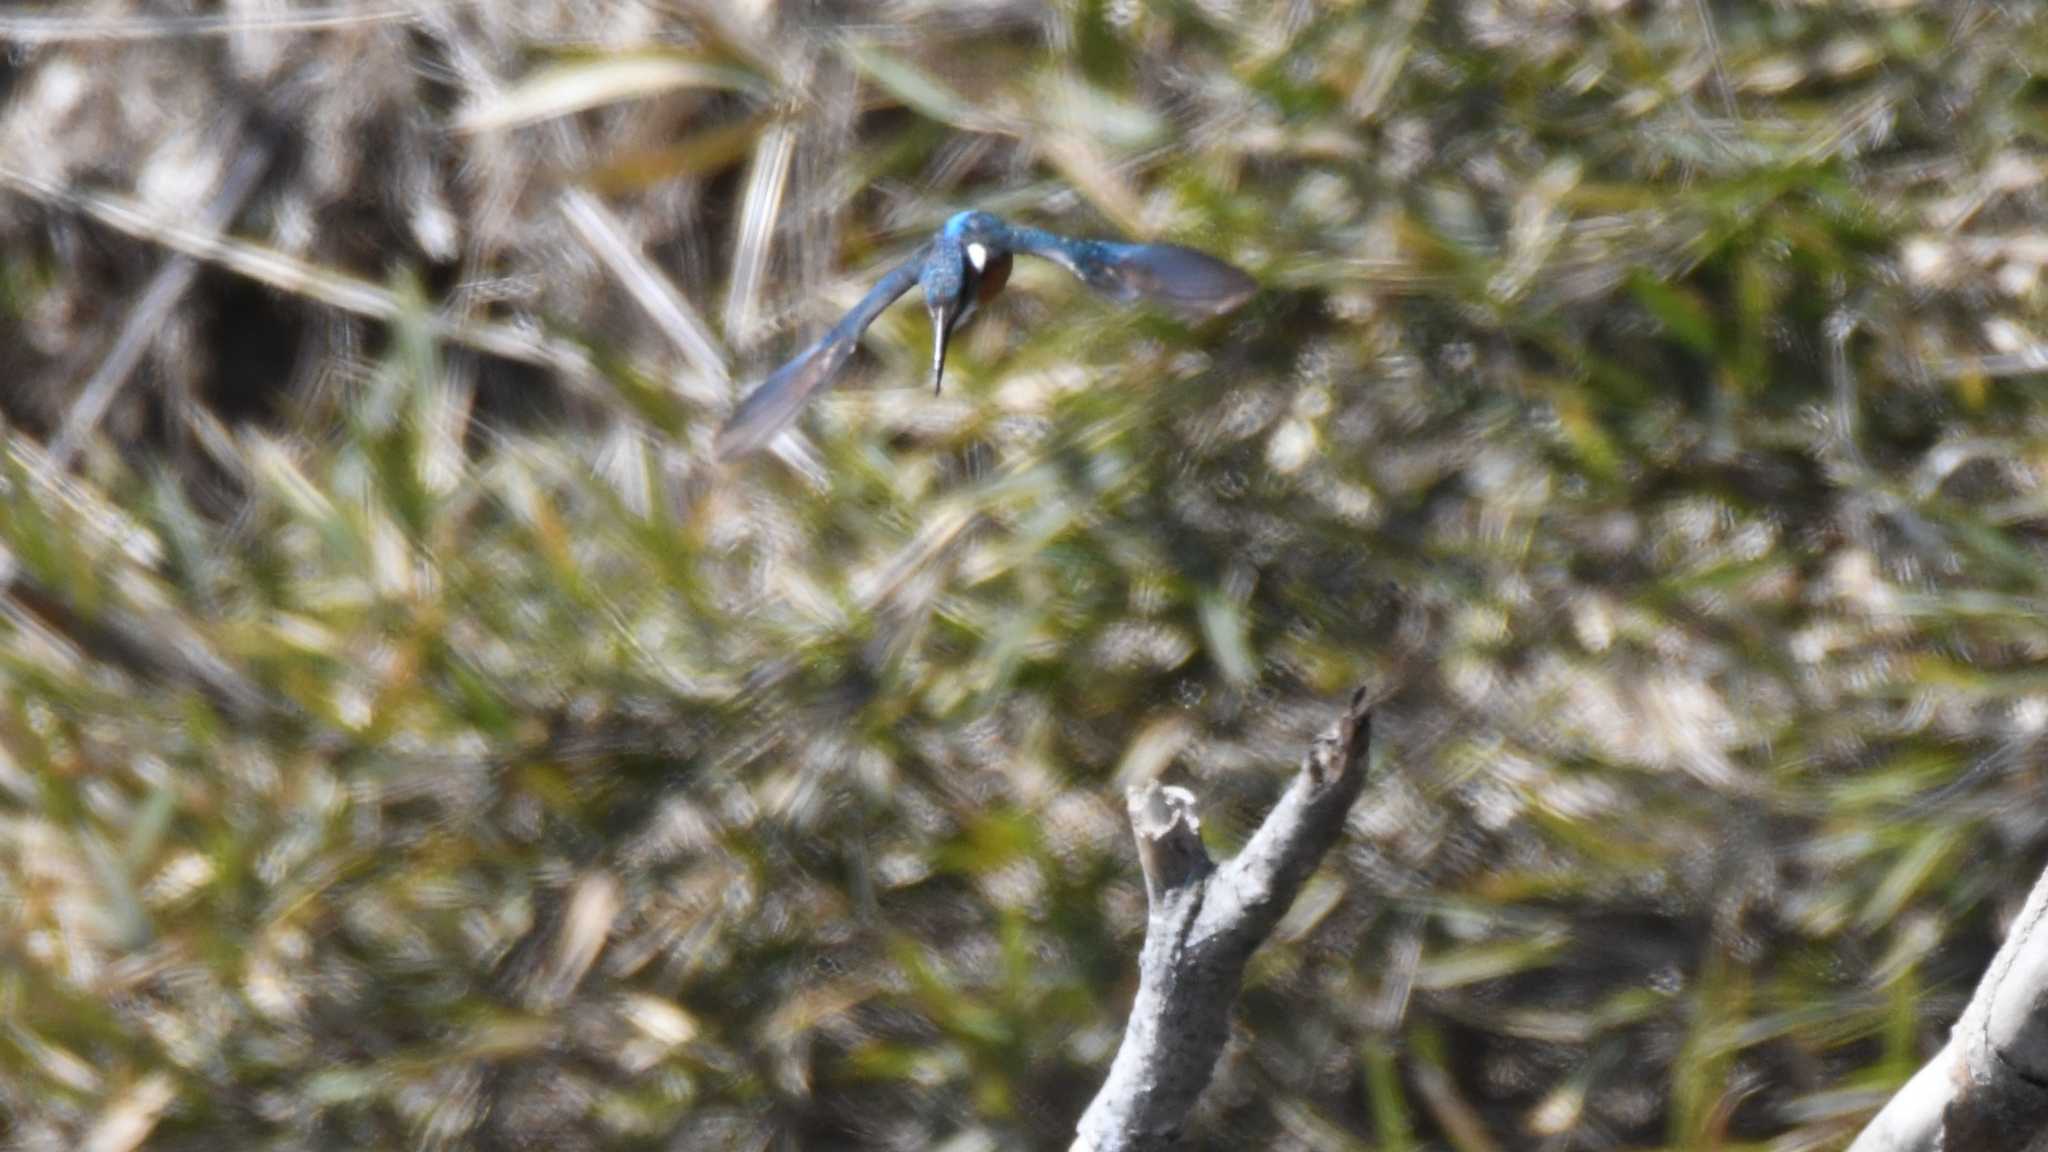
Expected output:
(977, 256)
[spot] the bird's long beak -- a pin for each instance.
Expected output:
(942, 331)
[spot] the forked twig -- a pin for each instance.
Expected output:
(1206, 920)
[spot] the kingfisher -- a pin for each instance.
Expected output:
(962, 267)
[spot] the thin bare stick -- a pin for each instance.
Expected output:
(298, 277)
(23, 28)
(1205, 922)
(602, 233)
(1713, 39)
(165, 289)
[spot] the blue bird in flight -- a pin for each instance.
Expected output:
(964, 265)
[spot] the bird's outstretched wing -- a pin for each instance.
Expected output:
(1167, 273)
(772, 406)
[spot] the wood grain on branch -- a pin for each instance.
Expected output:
(1205, 922)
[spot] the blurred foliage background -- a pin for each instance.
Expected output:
(410, 739)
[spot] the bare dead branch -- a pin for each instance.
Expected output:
(1204, 924)
(1987, 1089)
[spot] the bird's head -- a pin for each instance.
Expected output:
(969, 263)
